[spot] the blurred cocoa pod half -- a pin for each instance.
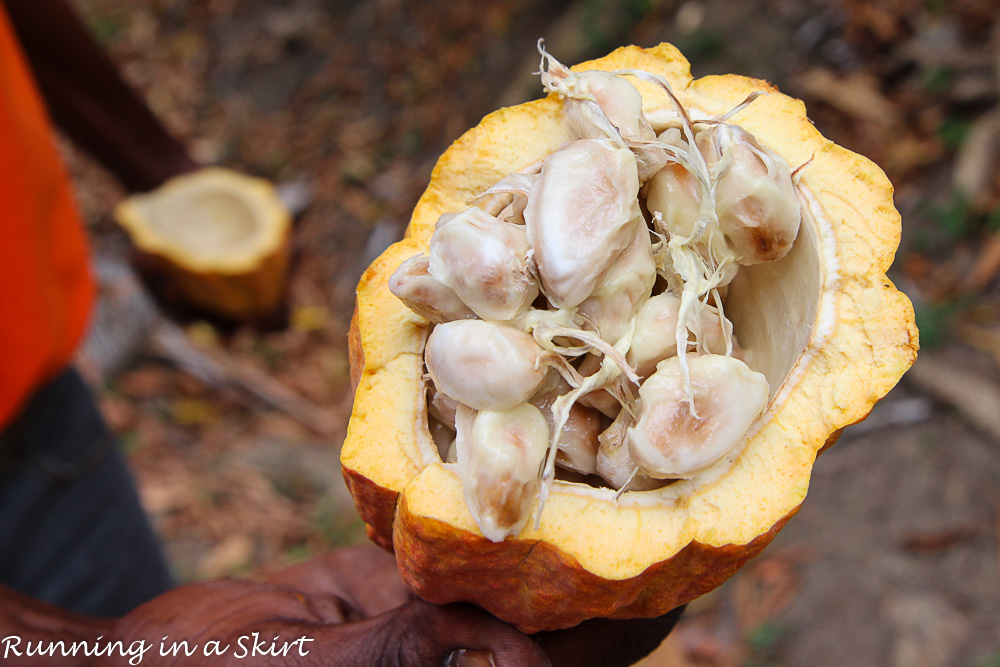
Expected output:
(215, 239)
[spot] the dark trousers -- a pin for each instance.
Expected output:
(72, 531)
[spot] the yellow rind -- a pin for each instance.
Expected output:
(862, 351)
(259, 195)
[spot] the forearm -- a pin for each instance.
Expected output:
(30, 630)
(90, 101)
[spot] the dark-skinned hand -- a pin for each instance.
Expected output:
(355, 609)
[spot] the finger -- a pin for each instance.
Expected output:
(364, 577)
(602, 642)
(441, 630)
(220, 609)
(419, 633)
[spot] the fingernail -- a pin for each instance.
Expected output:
(470, 658)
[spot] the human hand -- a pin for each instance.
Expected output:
(352, 609)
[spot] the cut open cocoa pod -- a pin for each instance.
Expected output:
(822, 336)
(218, 239)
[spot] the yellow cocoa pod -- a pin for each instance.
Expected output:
(823, 324)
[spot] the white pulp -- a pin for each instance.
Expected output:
(498, 458)
(669, 441)
(485, 365)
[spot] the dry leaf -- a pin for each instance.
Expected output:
(975, 397)
(856, 94)
(226, 558)
(976, 161)
(929, 542)
(985, 268)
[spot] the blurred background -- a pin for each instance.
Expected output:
(234, 433)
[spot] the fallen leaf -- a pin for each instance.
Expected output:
(986, 266)
(766, 588)
(226, 558)
(930, 542)
(975, 397)
(976, 161)
(856, 94)
(191, 412)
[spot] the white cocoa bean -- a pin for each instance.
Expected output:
(499, 456)
(485, 261)
(486, 365)
(669, 441)
(424, 294)
(580, 215)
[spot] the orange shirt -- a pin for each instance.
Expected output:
(46, 289)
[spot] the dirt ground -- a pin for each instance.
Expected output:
(894, 559)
